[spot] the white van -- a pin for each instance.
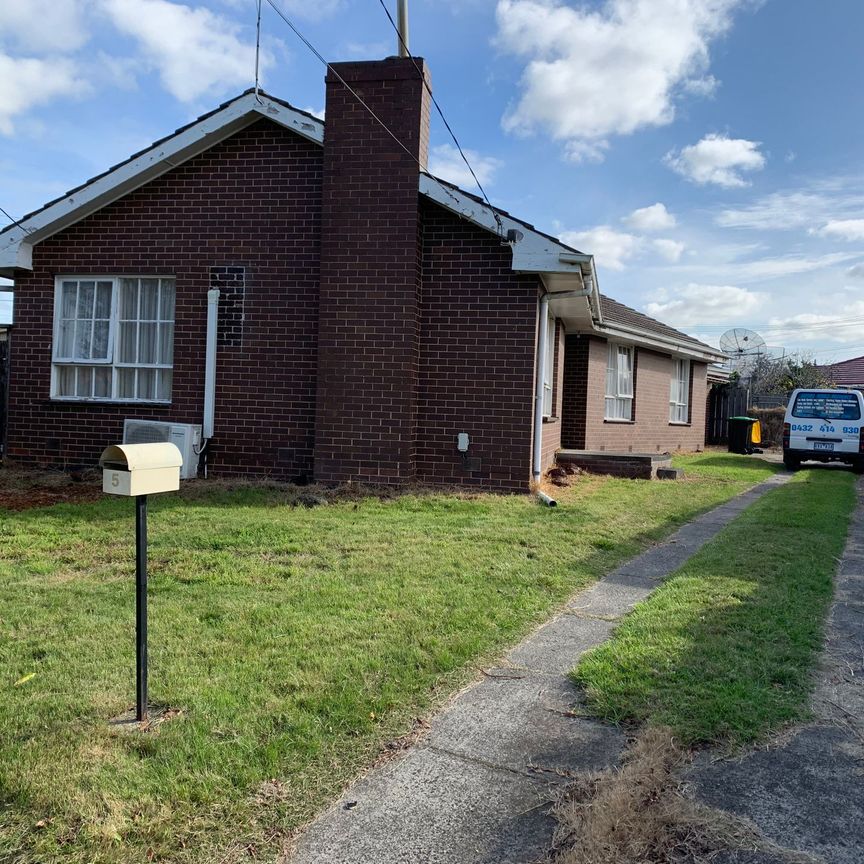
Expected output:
(826, 426)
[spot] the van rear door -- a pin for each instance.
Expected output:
(825, 421)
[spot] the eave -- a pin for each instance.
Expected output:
(659, 342)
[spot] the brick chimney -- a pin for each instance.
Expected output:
(368, 341)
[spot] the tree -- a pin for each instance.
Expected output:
(778, 376)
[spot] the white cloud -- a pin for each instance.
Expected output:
(760, 269)
(653, 218)
(592, 73)
(777, 211)
(196, 52)
(315, 112)
(671, 250)
(697, 304)
(815, 203)
(718, 160)
(446, 163)
(706, 86)
(26, 82)
(611, 248)
(856, 272)
(844, 229)
(821, 327)
(35, 26)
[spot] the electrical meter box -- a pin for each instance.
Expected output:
(140, 469)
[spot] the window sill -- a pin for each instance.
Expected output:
(623, 422)
(678, 423)
(106, 403)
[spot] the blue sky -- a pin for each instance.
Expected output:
(707, 152)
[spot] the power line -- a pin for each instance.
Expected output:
(779, 330)
(441, 115)
(15, 221)
(357, 96)
(258, 51)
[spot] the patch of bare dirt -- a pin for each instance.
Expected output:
(24, 488)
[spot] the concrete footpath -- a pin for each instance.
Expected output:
(477, 788)
(805, 791)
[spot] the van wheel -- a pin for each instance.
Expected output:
(858, 467)
(792, 463)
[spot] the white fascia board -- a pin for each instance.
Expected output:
(16, 245)
(534, 253)
(664, 344)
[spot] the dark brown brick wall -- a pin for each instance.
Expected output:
(253, 202)
(477, 348)
(369, 324)
(575, 395)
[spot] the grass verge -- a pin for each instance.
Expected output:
(724, 650)
(296, 641)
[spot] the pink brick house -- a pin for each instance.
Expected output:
(369, 316)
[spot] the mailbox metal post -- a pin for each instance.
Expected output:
(139, 470)
(141, 606)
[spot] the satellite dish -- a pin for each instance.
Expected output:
(744, 348)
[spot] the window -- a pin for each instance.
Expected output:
(619, 383)
(826, 406)
(113, 339)
(679, 392)
(549, 367)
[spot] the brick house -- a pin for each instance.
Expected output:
(369, 316)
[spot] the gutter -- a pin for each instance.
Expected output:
(660, 342)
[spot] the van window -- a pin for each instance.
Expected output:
(827, 406)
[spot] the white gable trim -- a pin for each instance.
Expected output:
(563, 270)
(16, 245)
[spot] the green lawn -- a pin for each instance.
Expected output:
(724, 651)
(296, 642)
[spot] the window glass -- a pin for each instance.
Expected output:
(826, 406)
(114, 339)
(548, 367)
(679, 392)
(619, 383)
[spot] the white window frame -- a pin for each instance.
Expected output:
(679, 392)
(549, 367)
(111, 361)
(618, 403)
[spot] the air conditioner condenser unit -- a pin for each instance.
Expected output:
(186, 436)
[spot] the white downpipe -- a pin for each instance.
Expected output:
(538, 385)
(210, 363)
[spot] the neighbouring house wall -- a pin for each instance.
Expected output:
(650, 431)
(552, 424)
(252, 201)
(477, 355)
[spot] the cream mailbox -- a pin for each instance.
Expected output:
(140, 469)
